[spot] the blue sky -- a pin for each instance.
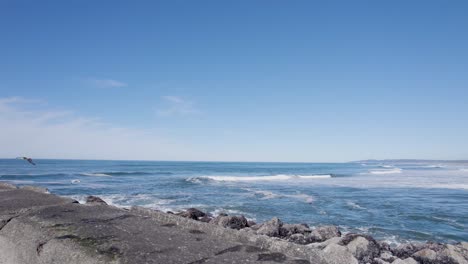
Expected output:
(234, 80)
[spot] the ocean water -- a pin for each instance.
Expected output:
(393, 201)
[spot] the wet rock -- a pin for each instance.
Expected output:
(205, 219)
(300, 239)
(290, 229)
(452, 255)
(336, 254)
(271, 228)
(405, 261)
(425, 256)
(192, 213)
(364, 248)
(234, 222)
(94, 200)
(323, 233)
(251, 223)
(404, 251)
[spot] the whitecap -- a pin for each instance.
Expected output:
(95, 174)
(392, 171)
(76, 181)
(279, 177)
(354, 205)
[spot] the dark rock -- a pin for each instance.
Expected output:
(94, 200)
(192, 213)
(384, 246)
(291, 229)
(234, 222)
(169, 212)
(380, 261)
(251, 223)
(271, 228)
(205, 219)
(323, 233)
(404, 251)
(300, 239)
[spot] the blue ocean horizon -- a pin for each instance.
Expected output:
(392, 200)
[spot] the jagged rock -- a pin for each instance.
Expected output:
(205, 219)
(251, 223)
(94, 200)
(425, 256)
(404, 251)
(323, 233)
(379, 261)
(364, 248)
(336, 254)
(192, 213)
(300, 239)
(290, 229)
(384, 246)
(234, 222)
(387, 256)
(322, 245)
(452, 255)
(271, 228)
(405, 261)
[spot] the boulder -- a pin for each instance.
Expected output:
(300, 239)
(425, 256)
(387, 256)
(322, 245)
(5, 185)
(452, 255)
(234, 222)
(94, 200)
(205, 219)
(364, 248)
(405, 261)
(192, 213)
(271, 228)
(380, 261)
(251, 223)
(336, 254)
(291, 229)
(404, 251)
(323, 233)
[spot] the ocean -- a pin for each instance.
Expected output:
(396, 201)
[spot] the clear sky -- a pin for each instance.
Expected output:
(234, 80)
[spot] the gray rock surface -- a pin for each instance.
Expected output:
(425, 256)
(43, 228)
(337, 254)
(405, 261)
(94, 200)
(271, 228)
(234, 222)
(323, 233)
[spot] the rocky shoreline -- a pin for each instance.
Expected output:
(357, 248)
(37, 227)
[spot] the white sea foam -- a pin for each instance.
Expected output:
(354, 205)
(95, 174)
(464, 169)
(75, 181)
(392, 171)
(279, 177)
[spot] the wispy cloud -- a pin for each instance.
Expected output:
(31, 129)
(107, 83)
(175, 105)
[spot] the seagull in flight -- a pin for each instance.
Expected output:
(27, 159)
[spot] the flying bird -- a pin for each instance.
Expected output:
(27, 159)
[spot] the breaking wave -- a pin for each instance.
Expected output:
(392, 171)
(279, 177)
